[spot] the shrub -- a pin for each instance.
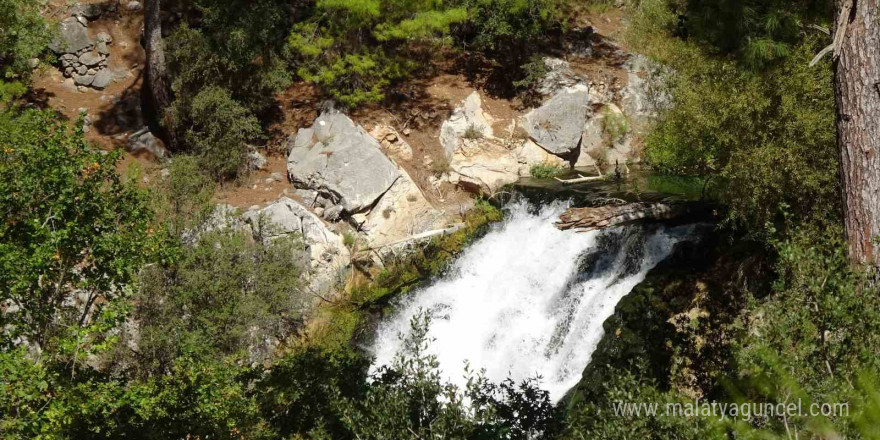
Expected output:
(473, 132)
(766, 135)
(23, 36)
(183, 199)
(614, 123)
(545, 171)
(64, 207)
(226, 63)
(509, 32)
(219, 128)
(532, 73)
(224, 296)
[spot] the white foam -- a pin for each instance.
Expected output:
(513, 304)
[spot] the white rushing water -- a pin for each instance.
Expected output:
(527, 299)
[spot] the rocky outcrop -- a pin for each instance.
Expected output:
(559, 76)
(402, 212)
(339, 160)
(92, 11)
(482, 162)
(328, 255)
(643, 97)
(600, 143)
(484, 165)
(468, 122)
(557, 125)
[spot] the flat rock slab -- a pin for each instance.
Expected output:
(337, 158)
(556, 126)
(402, 212)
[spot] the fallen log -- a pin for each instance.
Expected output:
(580, 179)
(592, 218)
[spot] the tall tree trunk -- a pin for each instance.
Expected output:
(156, 72)
(857, 95)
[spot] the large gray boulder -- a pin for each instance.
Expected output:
(341, 161)
(73, 37)
(143, 142)
(556, 126)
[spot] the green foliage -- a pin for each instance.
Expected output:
(758, 32)
(597, 419)
(300, 393)
(824, 313)
(614, 123)
(510, 31)
(197, 399)
(24, 35)
(766, 135)
(354, 49)
(545, 171)
(224, 296)
(67, 218)
(235, 45)
(182, 201)
(9, 92)
(226, 67)
(217, 131)
(532, 73)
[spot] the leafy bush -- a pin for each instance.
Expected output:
(510, 32)
(767, 135)
(532, 73)
(67, 217)
(23, 36)
(226, 64)
(614, 124)
(219, 127)
(183, 199)
(224, 296)
(545, 171)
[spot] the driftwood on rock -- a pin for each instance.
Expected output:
(614, 215)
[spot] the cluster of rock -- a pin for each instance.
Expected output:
(342, 174)
(571, 128)
(83, 60)
(348, 179)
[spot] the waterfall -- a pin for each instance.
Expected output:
(527, 299)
